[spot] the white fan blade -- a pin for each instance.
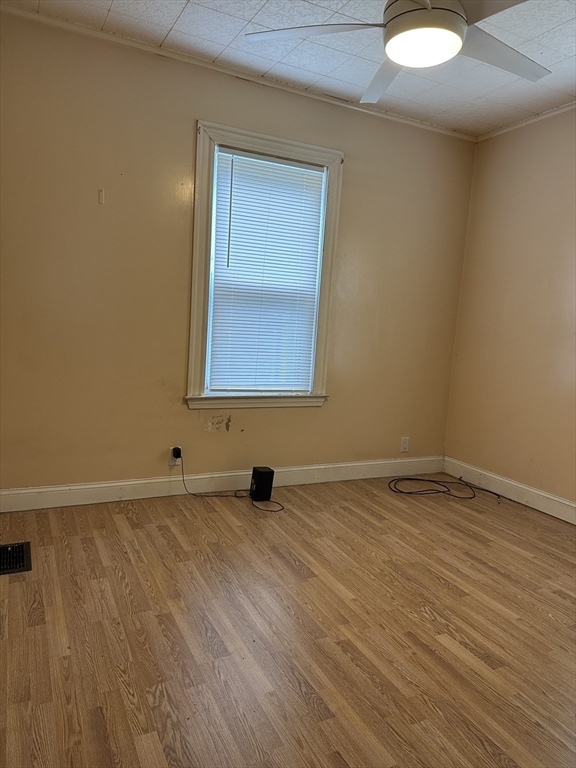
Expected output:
(425, 4)
(314, 29)
(476, 10)
(482, 46)
(380, 82)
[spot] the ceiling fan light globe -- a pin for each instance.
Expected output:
(416, 37)
(423, 47)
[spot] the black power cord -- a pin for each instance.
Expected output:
(438, 486)
(235, 494)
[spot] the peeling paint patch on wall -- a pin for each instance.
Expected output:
(217, 423)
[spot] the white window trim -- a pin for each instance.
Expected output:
(210, 135)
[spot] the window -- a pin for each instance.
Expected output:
(264, 233)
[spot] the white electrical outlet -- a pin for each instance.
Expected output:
(173, 461)
(404, 444)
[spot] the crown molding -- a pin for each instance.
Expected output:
(239, 74)
(535, 119)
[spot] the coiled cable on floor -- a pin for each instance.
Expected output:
(444, 487)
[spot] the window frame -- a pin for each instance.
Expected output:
(209, 136)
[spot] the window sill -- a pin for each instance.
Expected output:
(254, 401)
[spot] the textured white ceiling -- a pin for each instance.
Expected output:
(462, 95)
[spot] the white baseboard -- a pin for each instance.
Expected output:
(49, 496)
(525, 494)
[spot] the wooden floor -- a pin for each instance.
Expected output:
(357, 628)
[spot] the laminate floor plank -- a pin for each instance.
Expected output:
(356, 629)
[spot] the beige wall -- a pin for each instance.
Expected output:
(95, 299)
(512, 403)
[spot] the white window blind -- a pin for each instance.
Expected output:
(265, 265)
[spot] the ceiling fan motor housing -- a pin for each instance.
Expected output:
(406, 15)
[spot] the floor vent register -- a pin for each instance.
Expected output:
(15, 558)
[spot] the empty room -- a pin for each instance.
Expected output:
(288, 384)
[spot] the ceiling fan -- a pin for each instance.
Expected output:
(425, 33)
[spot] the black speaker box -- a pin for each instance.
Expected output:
(261, 484)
